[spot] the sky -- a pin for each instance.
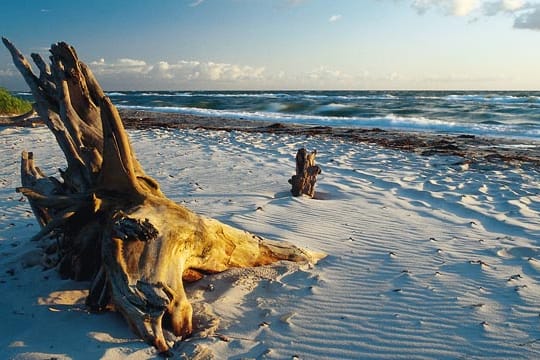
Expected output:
(285, 44)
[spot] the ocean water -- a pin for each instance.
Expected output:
(506, 114)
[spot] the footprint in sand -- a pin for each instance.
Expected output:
(523, 252)
(534, 263)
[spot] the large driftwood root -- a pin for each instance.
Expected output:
(303, 182)
(110, 221)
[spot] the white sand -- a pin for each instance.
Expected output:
(428, 258)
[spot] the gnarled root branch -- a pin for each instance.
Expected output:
(114, 225)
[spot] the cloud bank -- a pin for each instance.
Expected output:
(136, 74)
(175, 74)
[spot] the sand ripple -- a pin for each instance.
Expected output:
(427, 258)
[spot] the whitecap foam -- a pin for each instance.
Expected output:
(390, 121)
(244, 95)
(334, 107)
(275, 107)
(420, 121)
(155, 94)
(494, 98)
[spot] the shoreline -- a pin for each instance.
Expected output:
(471, 148)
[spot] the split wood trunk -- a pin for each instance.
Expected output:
(303, 182)
(107, 221)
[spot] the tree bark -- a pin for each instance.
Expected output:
(107, 221)
(303, 183)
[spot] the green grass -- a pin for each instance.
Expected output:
(11, 105)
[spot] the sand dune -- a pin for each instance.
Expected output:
(429, 257)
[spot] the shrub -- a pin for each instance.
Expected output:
(11, 105)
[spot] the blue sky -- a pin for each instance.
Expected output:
(286, 44)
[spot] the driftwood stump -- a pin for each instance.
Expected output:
(107, 221)
(303, 183)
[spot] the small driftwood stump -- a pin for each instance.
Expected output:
(303, 183)
(107, 221)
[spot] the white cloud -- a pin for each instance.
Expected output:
(422, 5)
(161, 70)
(529, 19)
(334, 18)
(513, 5)
(124, 65)
(208, 71)
(131, 64)
(464, 7)
(323, 73)
(450, 7)
(393, 76)
(196, 3)
(491, 8)
(526, 13)
(180, 71)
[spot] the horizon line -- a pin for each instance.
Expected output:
(306, 90)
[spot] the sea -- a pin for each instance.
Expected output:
(513, 114)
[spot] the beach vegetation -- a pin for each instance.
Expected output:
(12, 105)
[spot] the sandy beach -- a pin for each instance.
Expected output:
(148, 149)
(429, 257)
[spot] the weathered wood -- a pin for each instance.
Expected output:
(111, 222)
(303, 182)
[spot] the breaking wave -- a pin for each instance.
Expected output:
(388, 121)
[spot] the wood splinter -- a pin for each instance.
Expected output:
(303, 183)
